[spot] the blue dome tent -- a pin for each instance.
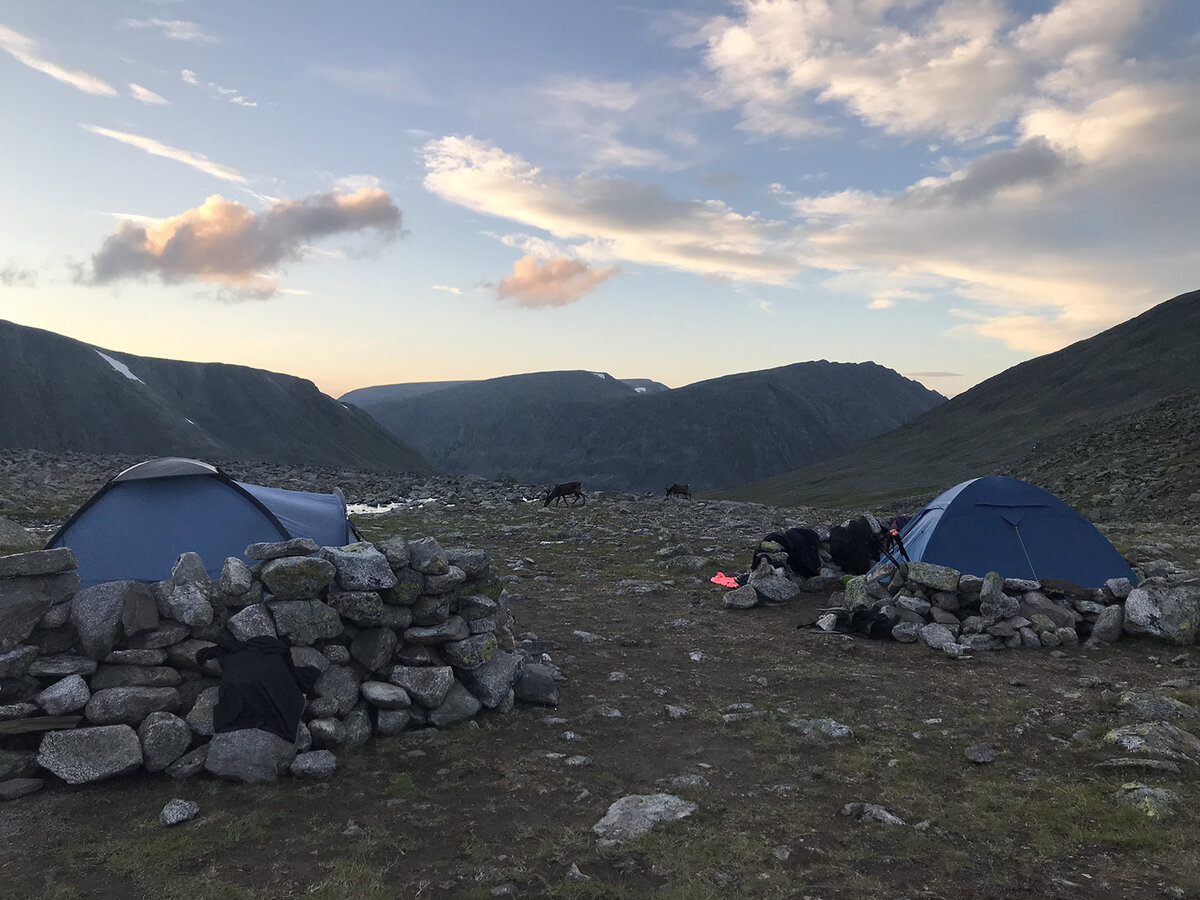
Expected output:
(998, 524)
(135, 527)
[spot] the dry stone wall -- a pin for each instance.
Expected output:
(111, 679)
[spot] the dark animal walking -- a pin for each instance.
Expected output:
(570, 492)
(682, 490)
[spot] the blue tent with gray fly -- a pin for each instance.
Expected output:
(136, 526)
(998, 524)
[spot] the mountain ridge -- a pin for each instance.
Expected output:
(581, 425)
(67, 395)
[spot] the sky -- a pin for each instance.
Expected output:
(377, 192)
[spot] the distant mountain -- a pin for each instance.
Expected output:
(60, 394)
(563, 426)
(369, 397)
(1093, 422)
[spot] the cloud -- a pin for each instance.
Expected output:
(175, 30)
(197, 161)
(225, 243)
(13, 276)
(216, 91)
(23, 50)
(608, 218)
(551, 282)
(144, 95)
(448, 290)
(952, 69)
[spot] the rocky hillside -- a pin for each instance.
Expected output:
(564, 426)
(64, 395)
(1110, 421)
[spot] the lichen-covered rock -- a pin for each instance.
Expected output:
(304, 621)
(1171, 612)
(940, 578)
(470, 653)
(297, 578)
(267, 551)
(360, 567)
(408, 587)
(395, 550)
(452, 580)
(934, 636)
(86, 755)
(1154, 803)
(474, 563)
(253, 621)
(359, 607)
(635, 815)
(235, 579)
(427, 557)
(426, 685)
(454, 629)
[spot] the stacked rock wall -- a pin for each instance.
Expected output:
(405, 634)
(958, 613)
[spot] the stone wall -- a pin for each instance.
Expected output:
(106, 680)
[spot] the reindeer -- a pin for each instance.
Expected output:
(682, 490)
(569, 491)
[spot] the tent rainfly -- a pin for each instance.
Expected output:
(998, 524)
(136, 526)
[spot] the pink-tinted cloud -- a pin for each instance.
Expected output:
(553, 282)
(226, 243)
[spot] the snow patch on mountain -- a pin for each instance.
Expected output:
(120, 367)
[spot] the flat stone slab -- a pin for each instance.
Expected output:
(636, 814)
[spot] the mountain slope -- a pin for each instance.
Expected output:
(1106, 383)
(64, 395)
(558, 426)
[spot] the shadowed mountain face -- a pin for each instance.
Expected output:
(565, 426)
(60, 394)
(1135, 389)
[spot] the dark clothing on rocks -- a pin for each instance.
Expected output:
(852, 546)
(803, 552)
(260, 686)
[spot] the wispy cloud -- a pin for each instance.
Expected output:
(145, 95)
(225, 243)
(197, 161)
(24, 50)
(216, 91)
(447, 289)
(175, 30)
(552, 282)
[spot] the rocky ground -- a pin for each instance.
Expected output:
(818, 765)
